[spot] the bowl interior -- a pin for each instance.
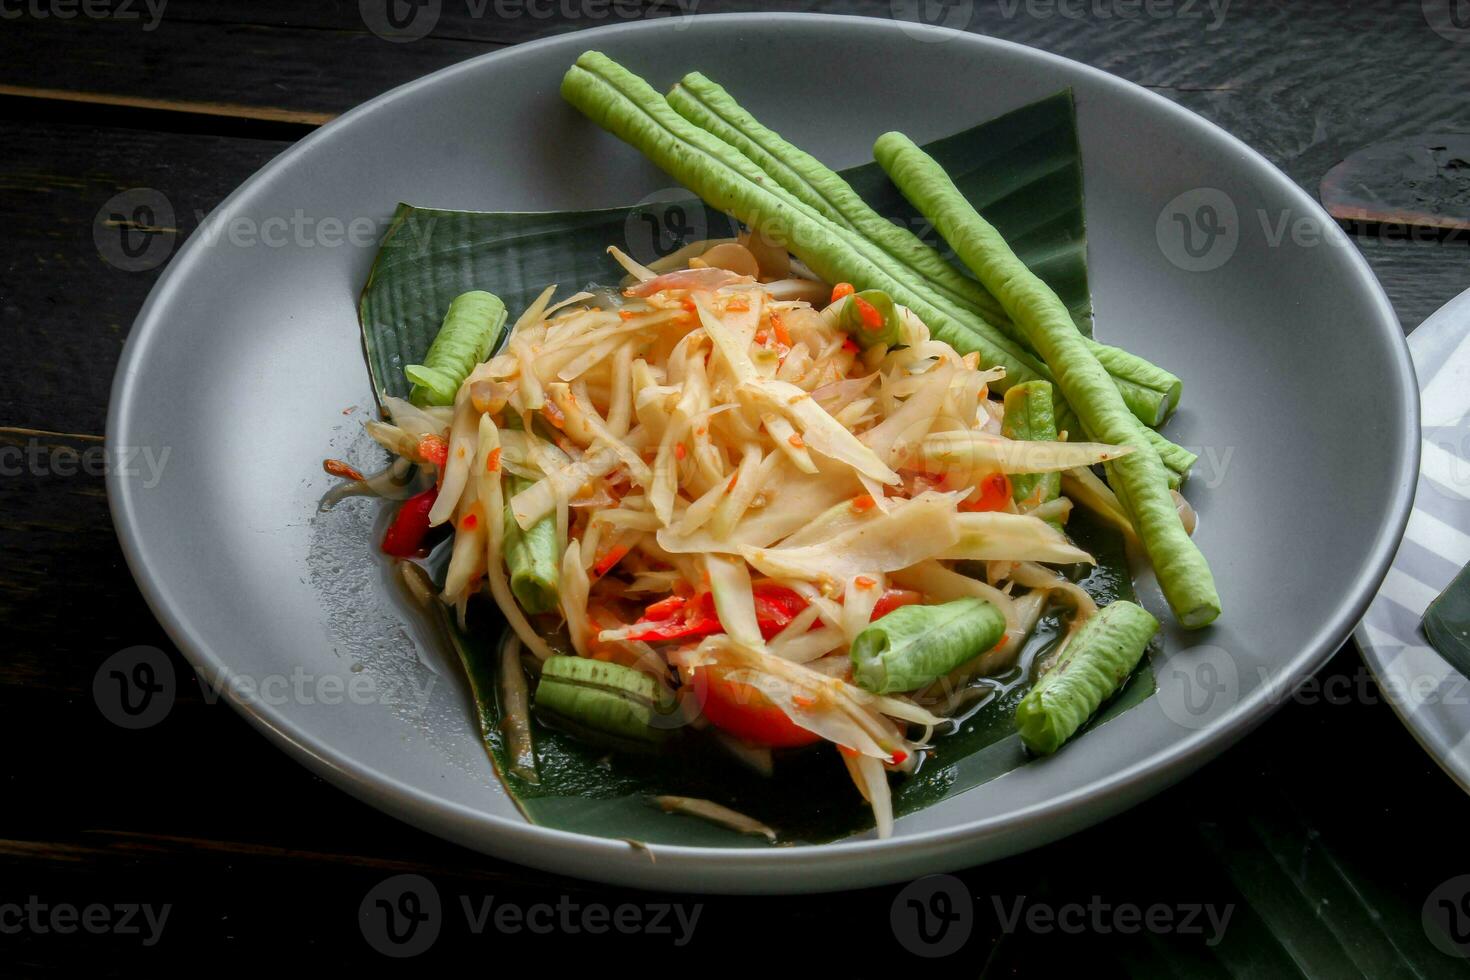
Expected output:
(247, 355)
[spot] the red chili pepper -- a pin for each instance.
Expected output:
(607, 561)
(849, 346)
(995, 493)
(677, 618)
(340, 469)
(410, 526)
(689, 619)
(842, 289)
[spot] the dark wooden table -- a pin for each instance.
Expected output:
(1322, 835)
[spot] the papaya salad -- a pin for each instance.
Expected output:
(777, 488)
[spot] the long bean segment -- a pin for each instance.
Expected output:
(914, 645)
(1140, 478)
(1095, 662)
(1150, 392)
(531, 556)
(1029, 417)
(1176, 459)
(470, 329)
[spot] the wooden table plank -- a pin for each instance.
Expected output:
(57, 284)
(233, 70)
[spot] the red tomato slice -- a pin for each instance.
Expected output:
(775, 606)
(743, 711)
(891, 599)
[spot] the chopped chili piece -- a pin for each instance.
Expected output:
(433, 450)
(994, 494)
(871, 318)
(338, 468)
(690, 619)
(607, 561)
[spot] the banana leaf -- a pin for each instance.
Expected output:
(1024, 172)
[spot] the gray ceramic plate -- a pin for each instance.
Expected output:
(1431, 696)
(246, 355)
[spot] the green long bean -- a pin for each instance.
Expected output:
(1091, 667)
(1140, 478)
(470, 329)
(1029, 417)
(914, 645)
(531, 556)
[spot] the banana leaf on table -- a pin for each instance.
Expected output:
(1024, 171)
